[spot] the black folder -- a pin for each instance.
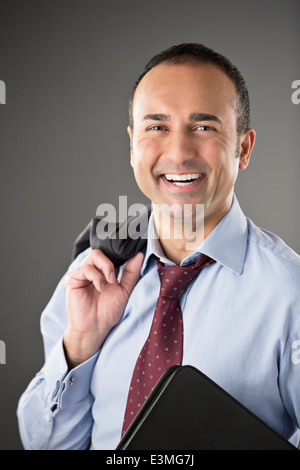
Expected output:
(188, 411)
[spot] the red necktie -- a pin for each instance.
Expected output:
(163, 347)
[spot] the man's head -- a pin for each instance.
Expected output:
(195, 53)
(189, 130)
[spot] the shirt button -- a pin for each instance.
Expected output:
(47, 417)
(71, 381)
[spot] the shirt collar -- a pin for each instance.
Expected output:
(226, 244)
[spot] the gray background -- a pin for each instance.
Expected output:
(69, 67)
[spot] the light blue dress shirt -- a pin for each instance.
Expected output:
(241, 320)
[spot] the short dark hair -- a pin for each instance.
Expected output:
(198, 53)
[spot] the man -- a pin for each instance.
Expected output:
(189, 136)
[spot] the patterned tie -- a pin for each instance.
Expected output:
(164, 345)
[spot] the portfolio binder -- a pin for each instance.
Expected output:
(188, 411)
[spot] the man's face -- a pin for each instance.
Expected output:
(184, 143)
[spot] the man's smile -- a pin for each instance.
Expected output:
(183, 182)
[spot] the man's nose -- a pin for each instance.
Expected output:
(181, 147)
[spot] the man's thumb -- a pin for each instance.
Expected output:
(132, 272)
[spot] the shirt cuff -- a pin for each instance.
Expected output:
(67, 387)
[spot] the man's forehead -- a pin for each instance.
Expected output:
(183, 83)
(198, 72)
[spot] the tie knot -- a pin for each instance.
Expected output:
(174, 279)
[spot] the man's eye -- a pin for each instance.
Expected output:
(156, 128)
(205, 128)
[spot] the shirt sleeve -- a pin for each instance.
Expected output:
(54, 412)
(289, 380)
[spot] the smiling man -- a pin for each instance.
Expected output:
(108, 340)
(183, 130)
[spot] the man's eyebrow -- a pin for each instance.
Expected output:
(157, 117)
(195, 117)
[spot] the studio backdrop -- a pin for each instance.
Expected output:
(66, 72)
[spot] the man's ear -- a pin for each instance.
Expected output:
(129, 130)
(247, 141)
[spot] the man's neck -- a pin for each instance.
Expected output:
(179, 239)
(173, 251)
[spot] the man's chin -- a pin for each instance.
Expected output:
(179, 210)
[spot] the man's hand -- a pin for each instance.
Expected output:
(95, 303)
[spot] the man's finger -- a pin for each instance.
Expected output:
(132, 272)
(84, 275)
(102, 263)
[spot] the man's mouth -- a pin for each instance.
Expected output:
(182, 180)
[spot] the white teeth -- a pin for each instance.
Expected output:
(182, 183)
(188, 176)
(182, 180)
